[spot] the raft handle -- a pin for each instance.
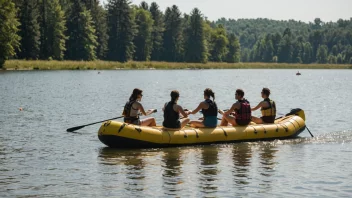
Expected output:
(121, 127)
(138, 129)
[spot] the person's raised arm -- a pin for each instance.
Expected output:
(233, 107)
(200, 106)
(180, 110)
(141, 109)
(258, 106)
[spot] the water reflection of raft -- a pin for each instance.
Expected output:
(122, 135)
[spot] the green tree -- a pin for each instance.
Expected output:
(322, 54)
(81, 44)
(332, 59)
(219, 44)
(55, 31)
(234, 49)
(285, 47)
(196, 49)
(143, 38)
(29, 29)
(121, 30)
(172, 39)
(347, 53)
(307, 53)
(100, 25)
(144, 5)
(9, 40)
(157, 33)
(339, 59)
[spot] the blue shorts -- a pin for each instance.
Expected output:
(210, 121)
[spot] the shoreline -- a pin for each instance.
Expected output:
(152, 65)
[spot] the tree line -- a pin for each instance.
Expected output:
(264, 40)
(85, 30)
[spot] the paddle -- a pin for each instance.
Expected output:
(309, 131)
(79, 127)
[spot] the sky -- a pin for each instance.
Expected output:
(303, 10)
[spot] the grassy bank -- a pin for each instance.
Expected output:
(107, 65)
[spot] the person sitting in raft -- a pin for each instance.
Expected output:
(133, 108)
(209, 110)
(268, 109)
(242, 108)
(172, 113)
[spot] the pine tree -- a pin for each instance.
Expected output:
(56, 27)
(100, 25)
(219, 44)
(234, 50)
(196, 49)
(157, 33)
(121, 30)
(81, 43)
(322, 54)
(172, 40)
(143, 40)
(9, 40)
(29, 29)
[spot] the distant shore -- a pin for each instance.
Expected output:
(110, 65)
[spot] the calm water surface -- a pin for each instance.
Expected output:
(39, 158)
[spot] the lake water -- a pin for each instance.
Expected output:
(39, 158)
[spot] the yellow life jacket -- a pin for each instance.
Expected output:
(271, 110)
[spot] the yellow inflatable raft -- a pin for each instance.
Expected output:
(123, 135)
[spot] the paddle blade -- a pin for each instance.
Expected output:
(74, 128)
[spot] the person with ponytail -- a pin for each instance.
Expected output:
(209, 110)
(133, 108)
(172, 113)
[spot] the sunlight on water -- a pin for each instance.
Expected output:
(39, 158)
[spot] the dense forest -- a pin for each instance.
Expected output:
(85, 30)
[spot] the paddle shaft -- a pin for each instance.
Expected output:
(309, 131)
(79, 127)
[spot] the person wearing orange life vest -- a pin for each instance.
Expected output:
(268, 109)
(242, 109)
(133, 108)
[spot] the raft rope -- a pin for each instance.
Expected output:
(293, 124)
(285, 127)
(185, 134)
(297, 123)
(264, 129)
(195, 130)
(223, 131)
(255, 130)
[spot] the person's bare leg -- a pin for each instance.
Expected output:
(184, 121)
(148, 122)
(231, 120)
(197, 123)
(223, 121)
(257, 120)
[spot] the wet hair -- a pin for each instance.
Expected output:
(208, 92)
(266, 91)
(135, 94)
(174, 95)
(240, 92)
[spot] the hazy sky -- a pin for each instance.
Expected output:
(304, 10)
